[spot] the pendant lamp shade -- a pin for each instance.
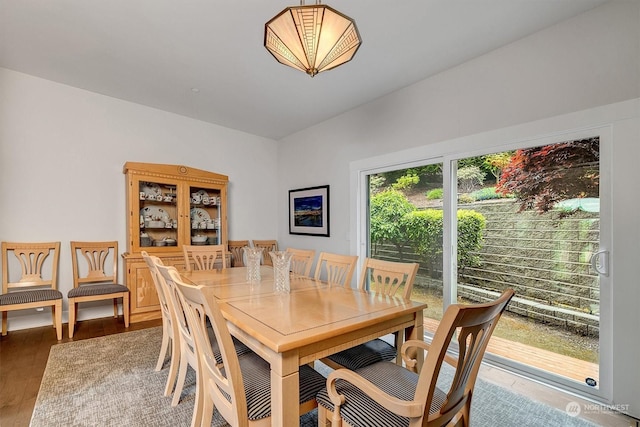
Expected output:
(312, 38)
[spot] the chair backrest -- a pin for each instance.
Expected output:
(228, 392)
(165, 304)
(101, 262)
(167, 281)
(387, 277)
(301, 261)
(205, 257)
(266, 246)
(34, 260)
(237, 255)
(472, 325)
(338, 268)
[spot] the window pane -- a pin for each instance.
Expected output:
(529, 220)
(405, 225)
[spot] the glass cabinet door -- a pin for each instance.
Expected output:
(205, 210)
(158, 214)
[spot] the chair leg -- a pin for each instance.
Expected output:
(115, 308)
(466, 411)
(4, 323)
(164, 347)
(125, 309)
(324, 419)
(57, 309)
(196, 418)
(182, 376)
(207, 408)
(173, 366)
(72, 316)
(399, 340)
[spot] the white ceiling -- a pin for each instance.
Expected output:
(153, 52)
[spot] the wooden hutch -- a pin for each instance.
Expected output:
(168, 206)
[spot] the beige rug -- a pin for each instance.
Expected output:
(110, 381)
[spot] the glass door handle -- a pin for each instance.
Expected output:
(600, 262)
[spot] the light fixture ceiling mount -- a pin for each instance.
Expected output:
(312, 38)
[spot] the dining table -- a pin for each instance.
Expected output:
(313, 320)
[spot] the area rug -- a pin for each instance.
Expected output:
(110, 381)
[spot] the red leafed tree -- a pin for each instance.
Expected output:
(541, 176)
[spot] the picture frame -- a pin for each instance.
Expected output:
(309, 211)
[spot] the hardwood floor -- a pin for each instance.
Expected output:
(24, 354)
(553, 362)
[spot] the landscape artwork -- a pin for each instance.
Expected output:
(309, 211)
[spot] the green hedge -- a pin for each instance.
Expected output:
(395, 220)
(424, 232)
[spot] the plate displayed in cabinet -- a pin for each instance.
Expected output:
(156, 215)
(150, 189)
(199, 214)
(202, 193)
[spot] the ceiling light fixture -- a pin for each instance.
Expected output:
(311, 38)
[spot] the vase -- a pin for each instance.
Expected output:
(252, 259)
(281, 267)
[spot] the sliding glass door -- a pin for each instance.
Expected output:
(531, 221)
(529, 218)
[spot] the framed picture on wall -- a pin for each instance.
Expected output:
(309, 211)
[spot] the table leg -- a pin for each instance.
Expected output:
(285, 394)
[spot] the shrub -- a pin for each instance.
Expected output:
(405, 182)
(486, 193)
(471, 225)
(376, 182)
(387, 209)
(469, 177)
(424, 233)
(435, 194)
(465, 198)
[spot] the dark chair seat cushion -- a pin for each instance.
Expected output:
(100, 289)
(25, 297)
(361, 410)
(241, 348)
(256, 375)
(365, 354)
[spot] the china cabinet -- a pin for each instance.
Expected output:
(168, 206)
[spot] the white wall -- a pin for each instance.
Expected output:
(590, 60)
(551, 82)
(62, 151)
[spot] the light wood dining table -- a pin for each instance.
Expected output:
(312, 321)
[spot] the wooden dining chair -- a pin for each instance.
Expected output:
(335, 269)
(170, 333)
(266, 246)
(237, 255)
(391, 395)
(208, 257)
(386, 278)
(239, 388)
(96, 278)
(36, 286)
(187, 351)
(301, 261)
(188, 356)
